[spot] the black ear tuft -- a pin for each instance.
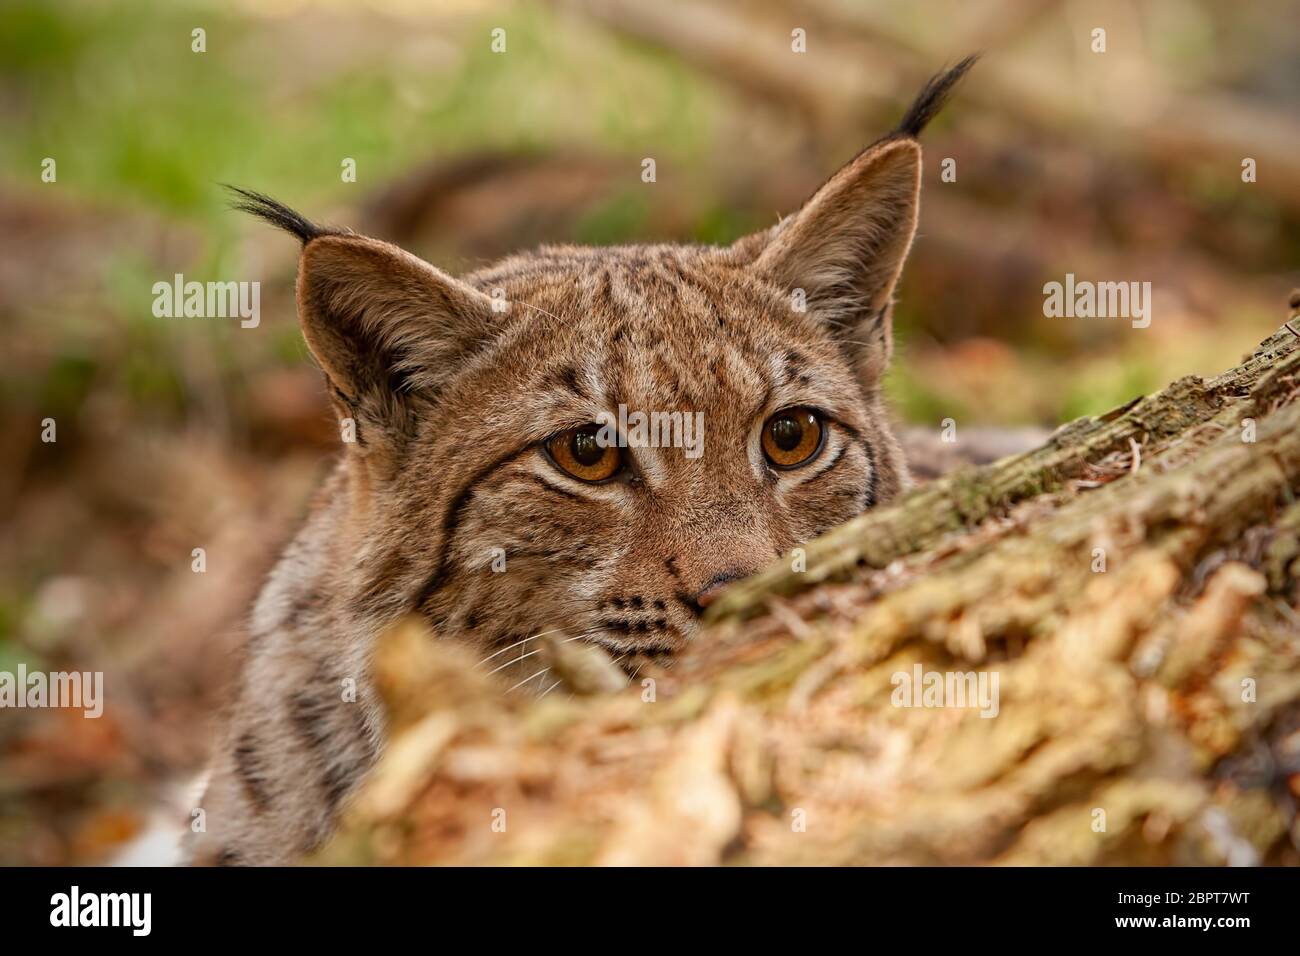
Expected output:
(278, 214)
(932, 97)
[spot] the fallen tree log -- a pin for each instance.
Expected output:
(1085, 654)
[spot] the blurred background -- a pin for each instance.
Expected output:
(174, 434)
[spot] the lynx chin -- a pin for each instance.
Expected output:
(477, 431)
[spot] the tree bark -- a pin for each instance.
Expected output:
(1126, 594)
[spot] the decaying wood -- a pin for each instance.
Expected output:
(1130, 585)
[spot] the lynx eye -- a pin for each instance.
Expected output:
(792, 437)
(579, 454)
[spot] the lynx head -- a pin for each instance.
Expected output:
(595, 440)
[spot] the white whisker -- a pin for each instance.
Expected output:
(514, 660)
(529, 305)
(527, 679)
(514, 645)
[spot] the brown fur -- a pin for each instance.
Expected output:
(452, 401)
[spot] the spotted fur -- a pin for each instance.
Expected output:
(452, 399)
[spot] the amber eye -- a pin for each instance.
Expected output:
(579, 454)
(792, 437)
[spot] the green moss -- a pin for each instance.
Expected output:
(234, 114)
(618, 220)
(919, 401)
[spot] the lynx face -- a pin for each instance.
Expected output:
(543, 522)
(483, 491)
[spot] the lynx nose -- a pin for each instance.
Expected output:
(709, 593)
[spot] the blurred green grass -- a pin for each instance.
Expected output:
(133, 116)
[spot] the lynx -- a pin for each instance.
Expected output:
(478, 491)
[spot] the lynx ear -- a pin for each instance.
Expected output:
(846, 247)
(386, 327)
